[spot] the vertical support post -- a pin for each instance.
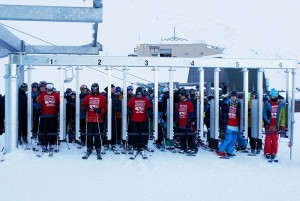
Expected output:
(260, 73)
(200, 118)
(62, 125)
(77, 117)
(11, 107)
(124, 104)
(171, 95)
(288, 99)
(292, 113)
(109, 108)
(216, 96)
(246, 89)
(29, 103)
(155, 108)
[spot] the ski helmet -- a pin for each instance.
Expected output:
(69, 90)
(42, 83)
(184, 93)
(118, 90)
(49, 88)
(130, 88)
(95, 89)
(24, 87)
(233, 93)
(139, 91)
(35, 84)
(273, 93)
(83, 87)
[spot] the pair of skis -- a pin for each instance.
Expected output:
(99, 157)
(50, 154)
(137, 153)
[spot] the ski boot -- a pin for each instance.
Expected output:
(99, 157)
(88, 153)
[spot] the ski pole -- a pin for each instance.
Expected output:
(99, 131)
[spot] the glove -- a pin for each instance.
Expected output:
(188, 124)
(97, 110)
(282, 128)
(266, 126)
(128, 112)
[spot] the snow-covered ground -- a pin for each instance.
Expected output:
(163, 176)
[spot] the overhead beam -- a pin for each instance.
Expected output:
(81, 50)
(4, 53)
(237, 63)
(51, 13)
(9, 41)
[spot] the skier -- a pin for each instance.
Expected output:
(82, 95)
(34, 89)
(70, 113)
(274, 116)
(139, 109)
(41, 88)
(48, 107)
(118, 111)
(96, 106)
(130, 93)
(229, 124)
(22, 110)
(184, 118)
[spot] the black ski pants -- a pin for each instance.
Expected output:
(93, 134)
(48, 125)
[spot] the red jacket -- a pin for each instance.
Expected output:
(91, 102)
(185, 111)
(49, 104)
(139, 107)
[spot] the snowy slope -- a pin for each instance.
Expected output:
(164, 176)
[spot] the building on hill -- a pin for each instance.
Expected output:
(230, 79)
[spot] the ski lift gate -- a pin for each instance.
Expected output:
(17, 61)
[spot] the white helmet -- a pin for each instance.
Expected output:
(49, 88)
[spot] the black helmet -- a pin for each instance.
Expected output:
(24, 87)
(69, 90)
(95, 89)
(42, 84)
(139, 91)
(35, 84)
(233, 93)
(184, 93)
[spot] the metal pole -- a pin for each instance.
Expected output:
(200, 125)
(29, 103)
(124, 104)
(260, 73)
(77, 117)
(155, 108)
(246, 89)
(216, 92)
(171, 95)
(288, 99)
(62, 125)
(109, 108)
(292, 114)
(11, 107)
